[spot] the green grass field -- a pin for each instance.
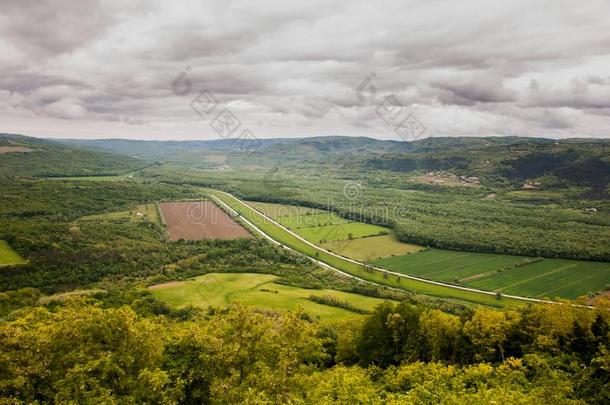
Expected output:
(318, 226)
(371, 248)
(549, 278)
(282, 210)
(330, 233)
(311, 219)
(142, 212)
(8, 256)
(357, 270)
(257, 290)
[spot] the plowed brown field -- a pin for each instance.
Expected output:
(200, 220)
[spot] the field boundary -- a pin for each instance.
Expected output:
(200, 220)
(270, 239)
(382, 270)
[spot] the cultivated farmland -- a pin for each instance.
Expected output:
(518, 275)
(257, 290)
(319, 226)
(200, 220)
(420, 287)
(528, 277)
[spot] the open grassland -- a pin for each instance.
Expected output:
(148, 211)
(339, 232)
(257, 290)
(282, 210)
(371, 248)
(286, 238)
(311, 219)
(8, 256)
(143, 212)
(546, 278)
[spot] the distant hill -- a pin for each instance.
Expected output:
(25, 156)
(512, 161)
(159, 149)
(302, 148)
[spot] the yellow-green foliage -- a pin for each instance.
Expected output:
(258, 290)
(81, 353)
(8, 255)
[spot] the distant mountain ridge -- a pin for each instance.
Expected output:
(502, 160)
(161, 148)
(48, 158)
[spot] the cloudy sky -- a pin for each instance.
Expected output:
(98, 69)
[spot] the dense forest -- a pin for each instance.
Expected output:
(103, 351)
(48, 159)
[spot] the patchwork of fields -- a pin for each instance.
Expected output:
(355, 269)
(543, 278)
(528, 277)
(257, 290)
(8, 256)
(322, 227)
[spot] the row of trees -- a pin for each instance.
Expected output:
(394, 334)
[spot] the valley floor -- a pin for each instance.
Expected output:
(258, 290)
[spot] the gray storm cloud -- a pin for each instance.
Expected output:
(535, 68)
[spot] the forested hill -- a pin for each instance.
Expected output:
(509, 161)
(24, 156)
(280, 148)
(542, 163)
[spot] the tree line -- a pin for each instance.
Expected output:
(90, 351)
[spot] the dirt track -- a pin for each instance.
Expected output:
(200, 220)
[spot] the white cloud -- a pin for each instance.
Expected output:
(291, 69)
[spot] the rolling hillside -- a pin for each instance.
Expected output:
(24, 156)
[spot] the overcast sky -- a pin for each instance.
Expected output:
(99, 69)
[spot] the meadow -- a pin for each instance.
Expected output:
(371, 248)
(311, 219)
(257, 290)
(539, 278)
(340, 232)
(8, 256)
(140, 213)
(275, 211)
